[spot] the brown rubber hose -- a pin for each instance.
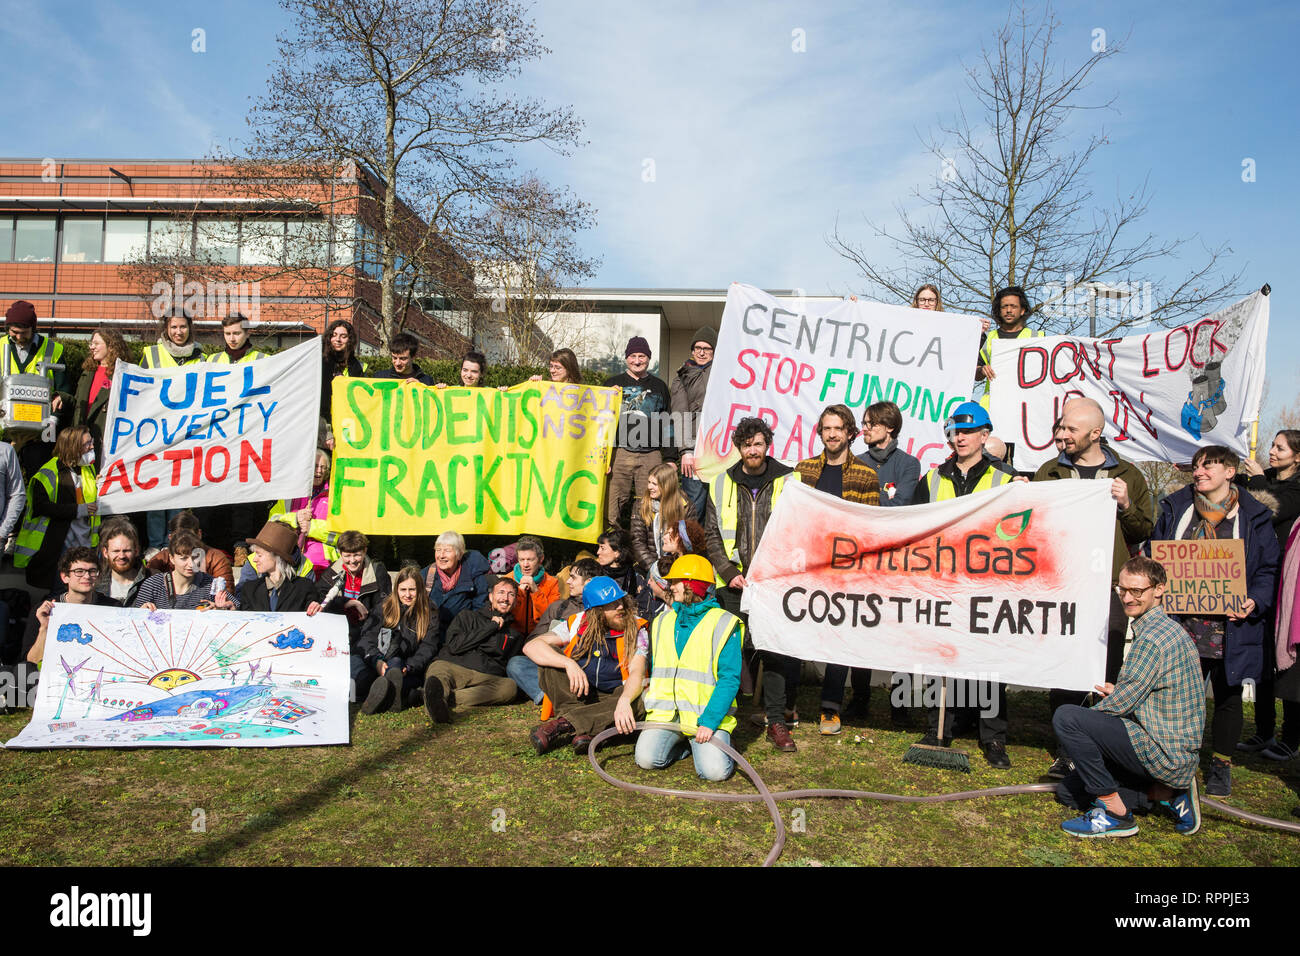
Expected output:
(769, 798)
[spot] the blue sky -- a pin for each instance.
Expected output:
(756, 148)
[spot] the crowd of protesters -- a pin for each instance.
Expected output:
(649, 627)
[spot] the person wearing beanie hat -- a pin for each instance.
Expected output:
(645, 433)
(595, 680)
(693, 684)
(687, 399)
(24, 349)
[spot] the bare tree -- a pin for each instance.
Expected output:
(1012, 205)
(531, 263)
(409, 96)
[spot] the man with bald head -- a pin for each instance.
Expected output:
(1085, 454)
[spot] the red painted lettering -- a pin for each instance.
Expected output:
(740, 360)
(261, 462)
(1025, 353)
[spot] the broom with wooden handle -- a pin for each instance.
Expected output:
(929, 755)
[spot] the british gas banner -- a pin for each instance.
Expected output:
(208, 434)
(1164, 393)
(413, 459)
(1009, 584)
(785, 360)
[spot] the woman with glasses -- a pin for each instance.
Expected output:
(1231, 647)
(562, 367)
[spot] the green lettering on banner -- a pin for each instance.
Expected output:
(548, 501)
(431, 490)
(353, 387)
(385, 390)
(530, 416)
(521, 498)
(341, 480)
(483, 489)
(432, 422)
(587, 509)
(455, 418)
(388, 484)
(402, 398)
(457, 461)
(489, 421)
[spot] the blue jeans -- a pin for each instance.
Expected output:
(522, 669)
(697, 493)
(657, 748)
(157, 522)
(1104, 759)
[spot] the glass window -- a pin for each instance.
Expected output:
(170, 239)
(34, 239)
(6, 238)
(83, 238)
(261, 243)
(345, 241)
(308, 244)
(218, 241)
(125, 240)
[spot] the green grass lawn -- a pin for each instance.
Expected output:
(405, 792)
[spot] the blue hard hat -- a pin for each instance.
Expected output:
(600, 591)
(967, 417)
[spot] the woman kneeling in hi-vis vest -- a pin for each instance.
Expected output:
(694, 676)
(596, 681)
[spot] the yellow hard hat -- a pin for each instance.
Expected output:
(691, 567)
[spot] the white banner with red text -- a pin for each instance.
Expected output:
(1009, 585)
(1164, 393)
(785, 360)
(207, 434)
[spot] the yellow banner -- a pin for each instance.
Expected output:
(411, 459)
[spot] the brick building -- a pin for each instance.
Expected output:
(97, 241)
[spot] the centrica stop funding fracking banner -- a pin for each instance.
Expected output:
(784, 361)
(1010, 584)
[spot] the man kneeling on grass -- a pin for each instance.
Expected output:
(1140, 746)
(596, 681)
(470, 669)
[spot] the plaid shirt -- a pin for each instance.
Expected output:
(1160, 696)
(860, 484)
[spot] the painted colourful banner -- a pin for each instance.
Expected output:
(206, 434)
(1004, 585)
(784, 361)
(412, 459)
(1165, 393)
(1205, 576)
(127, 677)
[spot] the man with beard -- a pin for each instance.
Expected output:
(836, 472)
(740, 502)
(123, 573)
(1085, 455)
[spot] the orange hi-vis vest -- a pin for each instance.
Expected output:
(620, 648)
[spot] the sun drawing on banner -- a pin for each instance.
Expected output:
(206, 672)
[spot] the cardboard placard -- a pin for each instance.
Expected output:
(1206, 575)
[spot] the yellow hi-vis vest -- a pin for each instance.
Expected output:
(221, 358)
(724, 491)
(680, 687)
(942, 489)
(986, 353)
(316, 529)
(47, 351)
(155, 356)
(32, 532)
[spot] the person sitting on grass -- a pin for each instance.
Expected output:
(695, 676)
(277, 587)
(354, 585)
(184, 587)
(398, 643)
(596, 680)
(458, 579)
(550, 627)
(1141, 744)
(470, 669)
(78, 568)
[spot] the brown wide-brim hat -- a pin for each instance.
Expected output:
(278, 538)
